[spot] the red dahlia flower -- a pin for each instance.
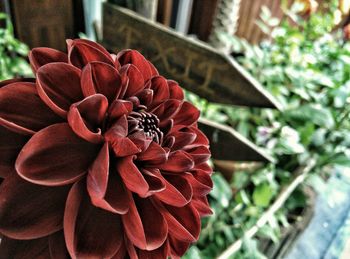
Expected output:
(100, 158)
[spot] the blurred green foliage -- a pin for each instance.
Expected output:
(13, 53)
(305, 64)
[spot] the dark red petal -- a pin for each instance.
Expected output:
(98, 77)
(175, 90)
(178, 191)
(131, 249)
(145, 97)
(201, 139)
(136, 81)
(116, 136)
(42, 56)
(178, 248)
(16, 80)
(184, 223)
(144, 225)
(140, 140)
(55, 156)
(82, 52)
(89, 231)
(183, 139)
(85, 118)
(104, 185)
(29, 211)
(160, 89)
(20, 249)
(202, 206)
(58, 85)
(153, 155)
(119, 108)
(10, 145)
(121, 253)
(199, 154)
(178, 161)
(159, 253)
(72, 43)
(153, 69)
(132, 177)
(167, 110)
(135, 58)
(200, 181)
(22, 111)
(57, 246)
(155, 181)
(187, 115)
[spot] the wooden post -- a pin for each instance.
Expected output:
(225, 22)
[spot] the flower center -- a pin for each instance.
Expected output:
(146, 122)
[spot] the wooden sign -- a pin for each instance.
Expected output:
(194, 64)
(228, 144)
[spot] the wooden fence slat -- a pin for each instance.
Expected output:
(194, 64)
(228, 144)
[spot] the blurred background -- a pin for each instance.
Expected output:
(277, 117)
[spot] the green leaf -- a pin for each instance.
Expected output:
(192, 253)
(221, 191)
(262, 195)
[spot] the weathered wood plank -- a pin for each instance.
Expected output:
(228, 144)
(194, 64)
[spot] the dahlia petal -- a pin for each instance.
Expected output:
(202, 206)
(135, 58)
(104, 185)
(121, 253)
(167, 110)
(84, 117)
(42, 56)
(97, 179)
(153, 155)
(72, 43)
(98, 77)
(200, 181)
(144, 225)
(57, 246)
(187, 116)
(22, 111)
(199, 154)
(175, 90)
(140, 140)
(154, 71)
(177, 192)
(116, 136)
(119, 108)
(16, 80)
(178, 161)
(89, 231)
(17, 249)
(160, 89)
(55, 156)
(10, 145)
(58, 85)
(155, 181)
(145, 97)
(201, 139)
(183, 139)
(136, 81)
(82, 52)
(178, 248)
(131, 249)
(29, 211)
(132, 177)
(184, 223)
(159, 253)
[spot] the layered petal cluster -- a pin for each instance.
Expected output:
(100, 157)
